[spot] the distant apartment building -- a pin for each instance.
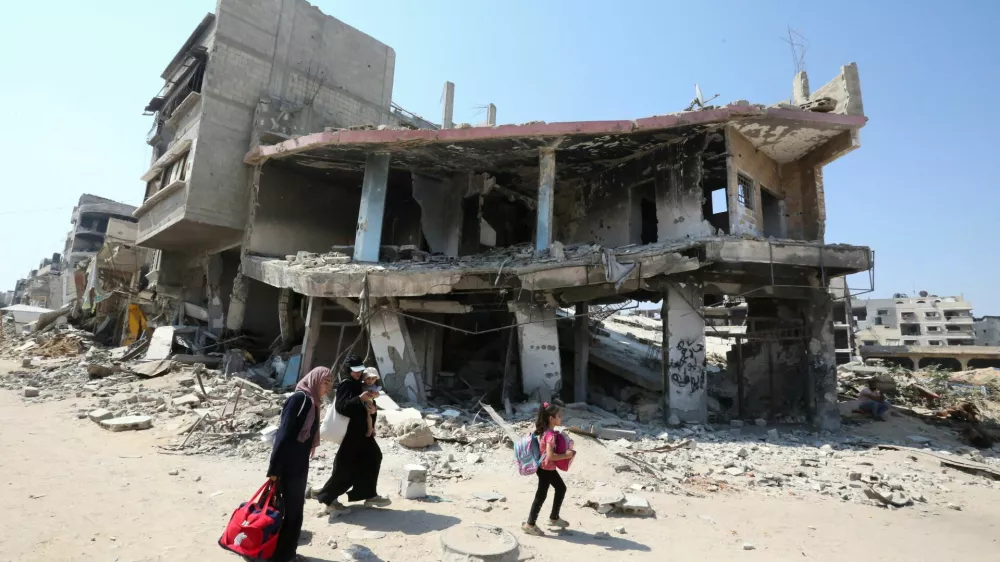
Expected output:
(95, 220)
(987, 330)
(926, 320)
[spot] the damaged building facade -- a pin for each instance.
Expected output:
(252, 67)
(457, 254)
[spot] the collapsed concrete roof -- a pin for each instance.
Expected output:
(582, 147)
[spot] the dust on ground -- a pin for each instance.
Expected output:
(74, 491)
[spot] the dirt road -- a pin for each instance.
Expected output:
(72, 491)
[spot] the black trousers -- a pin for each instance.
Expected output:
(355, 471)
(293, 498)
(547, 478)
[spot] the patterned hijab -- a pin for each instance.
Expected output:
(310, 384)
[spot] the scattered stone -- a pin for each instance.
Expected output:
(30, 392)
(772, 434)
(99, 415)
(620, 529)
(760, 422)
(186, 400)
(128, 423)
(742, 453)
(854, 476)
(602, 535)
(734, 471)
(673, 420)
(417, 436)
(97, 371)
(955, 506)
(174, 472)
(474, 458)
(826, 448)
(332, 543)
(25, 362)
(355, 552)
(749, 546)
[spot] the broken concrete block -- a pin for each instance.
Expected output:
(186, 400)
(489, 497)
(96, 371)
(99, 415)
(128, 423)
(30, 392)
(26, 362)
(636, 505)
(760, 422)
(772, 434)
(611, 433)
(398, 418)
(417, 437)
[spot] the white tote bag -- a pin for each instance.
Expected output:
(334, 426)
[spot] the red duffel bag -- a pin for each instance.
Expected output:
(253, 529)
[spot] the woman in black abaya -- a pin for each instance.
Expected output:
(358, 460)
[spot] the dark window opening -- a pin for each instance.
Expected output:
(935, 342)
(877, 321)
(959, 342)
(909, 329)
(909, 342)
(770, 207)
(744, 190)
(647, 212)
(860, 313)
(869, 342)
(840, 339)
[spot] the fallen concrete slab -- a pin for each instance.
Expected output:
(128, 423)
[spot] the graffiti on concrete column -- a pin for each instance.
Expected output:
(686, 370)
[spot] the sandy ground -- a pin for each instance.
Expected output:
(73, 491)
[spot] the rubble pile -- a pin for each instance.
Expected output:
(971, 397)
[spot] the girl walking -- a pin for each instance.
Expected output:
(549, 441)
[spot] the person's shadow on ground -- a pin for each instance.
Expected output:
(609, 542)
(388, 520)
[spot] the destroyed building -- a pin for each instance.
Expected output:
(253, 66)
(95, 221)
(447, 244)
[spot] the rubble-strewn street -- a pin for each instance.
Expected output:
(636, 488)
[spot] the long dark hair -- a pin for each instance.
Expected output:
(545, 413)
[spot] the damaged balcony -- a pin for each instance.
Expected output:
(490, 231)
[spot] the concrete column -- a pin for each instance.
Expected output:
(373, 190)
(237, 303)
(314, 316)
(447, 118)
(800, 88)
(285, 323)
(538, 340)
(212, 267)
(398, 363)
(546, 192)
(581, 356)
(821, 371)
(491, 115)
(685, 382)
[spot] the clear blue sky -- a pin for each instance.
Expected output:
(922, 190)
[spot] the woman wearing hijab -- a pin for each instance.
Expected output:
(294, 443)
(358, 460)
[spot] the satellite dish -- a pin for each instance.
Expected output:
(923, 293)
(698, 95)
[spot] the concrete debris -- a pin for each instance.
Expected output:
(413, 482)
(30, 392)
(748, 546)
(355, 552)
(128, 423)
(620, 529)
(416, 436)
(99, 415)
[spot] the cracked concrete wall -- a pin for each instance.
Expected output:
(680, 197)
(687, 381)
(396, 355)
(538, 342)
(821, 362)
(441, 211)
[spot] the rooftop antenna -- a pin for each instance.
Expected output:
(799, 46)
